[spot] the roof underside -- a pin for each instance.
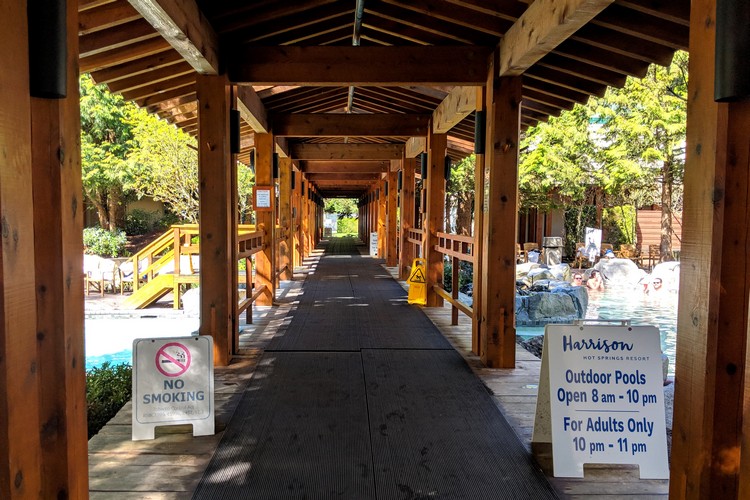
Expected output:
(122, 49)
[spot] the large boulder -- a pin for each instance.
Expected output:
(669, 272)
(551, 301)
(619, 273)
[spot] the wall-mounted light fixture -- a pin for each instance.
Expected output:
(48, 48)
(234, 131)
(732, 77)
(480, 131)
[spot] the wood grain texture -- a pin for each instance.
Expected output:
(437, 145)
(215, 218)
(183, 25)
(544, 25)
(457, 105)
(265, 261)
(285, 263)
(20, 460)
(358, 66)
(500, 221)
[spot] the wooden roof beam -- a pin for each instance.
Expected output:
(414, 146)
(327, 66)
(182, 24)
(541, 28)
(344, 167)
(343, 125)
(252, 109)
(117, 56)
(460, 103)
(347, 151)
(346, 176)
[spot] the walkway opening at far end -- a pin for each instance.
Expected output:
(359, 396)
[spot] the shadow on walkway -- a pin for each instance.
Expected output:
(359, 396)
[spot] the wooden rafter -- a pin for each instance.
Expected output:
(460, 103)
(347, 151)
(343, 125)
(343, 167)
(358, 66)
(251, 109)
(541, 28)
(182, 24)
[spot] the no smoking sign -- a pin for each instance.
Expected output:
(173, 359)
(173, 383)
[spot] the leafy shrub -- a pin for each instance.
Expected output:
(140, 222)
(108, 388)
(98, 241)
(166, 221)
(619, 223)
(347, 225)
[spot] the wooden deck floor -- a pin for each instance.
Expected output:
(170, 467)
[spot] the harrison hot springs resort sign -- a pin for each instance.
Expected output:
(601, 399)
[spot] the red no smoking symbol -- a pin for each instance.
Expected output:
(173, 359)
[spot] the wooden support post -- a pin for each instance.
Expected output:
(406, 255)
(711, 437)
(58, 251)
(499, 285)
(391, 253)
(234, 268)
(215, 213)
(437, 146)
(296, 221)
(479, 208)
(285, 218)
(20, 406)
(382, 227)
(265, 261)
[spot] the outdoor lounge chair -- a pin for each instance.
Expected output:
(98, 273)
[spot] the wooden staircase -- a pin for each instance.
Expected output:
(169, 261)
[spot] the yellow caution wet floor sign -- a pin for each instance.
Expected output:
(417, 283)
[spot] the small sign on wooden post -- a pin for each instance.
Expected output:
(601, 399)
(173, 383)
(374, 244)
(262, 201)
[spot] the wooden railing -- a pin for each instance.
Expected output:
(250, 243)
(178, 241)
(460, 249)
(415, 237)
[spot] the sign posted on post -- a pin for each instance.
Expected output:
(601, 398)
(173, 383)
(374, 244)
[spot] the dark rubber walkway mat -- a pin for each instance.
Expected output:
(349, 303)
(300, 431)
(436, 434)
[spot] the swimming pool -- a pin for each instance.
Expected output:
(636, 306)
(111, 338)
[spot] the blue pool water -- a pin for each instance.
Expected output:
(639, 308)
(111, 339)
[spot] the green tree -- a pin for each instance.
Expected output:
(105, 143)
(344, 207)
(644, 126)
(558, 162)
(626, 148)
(460, 193)
(166, 164)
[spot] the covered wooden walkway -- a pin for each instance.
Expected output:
(340, 98)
